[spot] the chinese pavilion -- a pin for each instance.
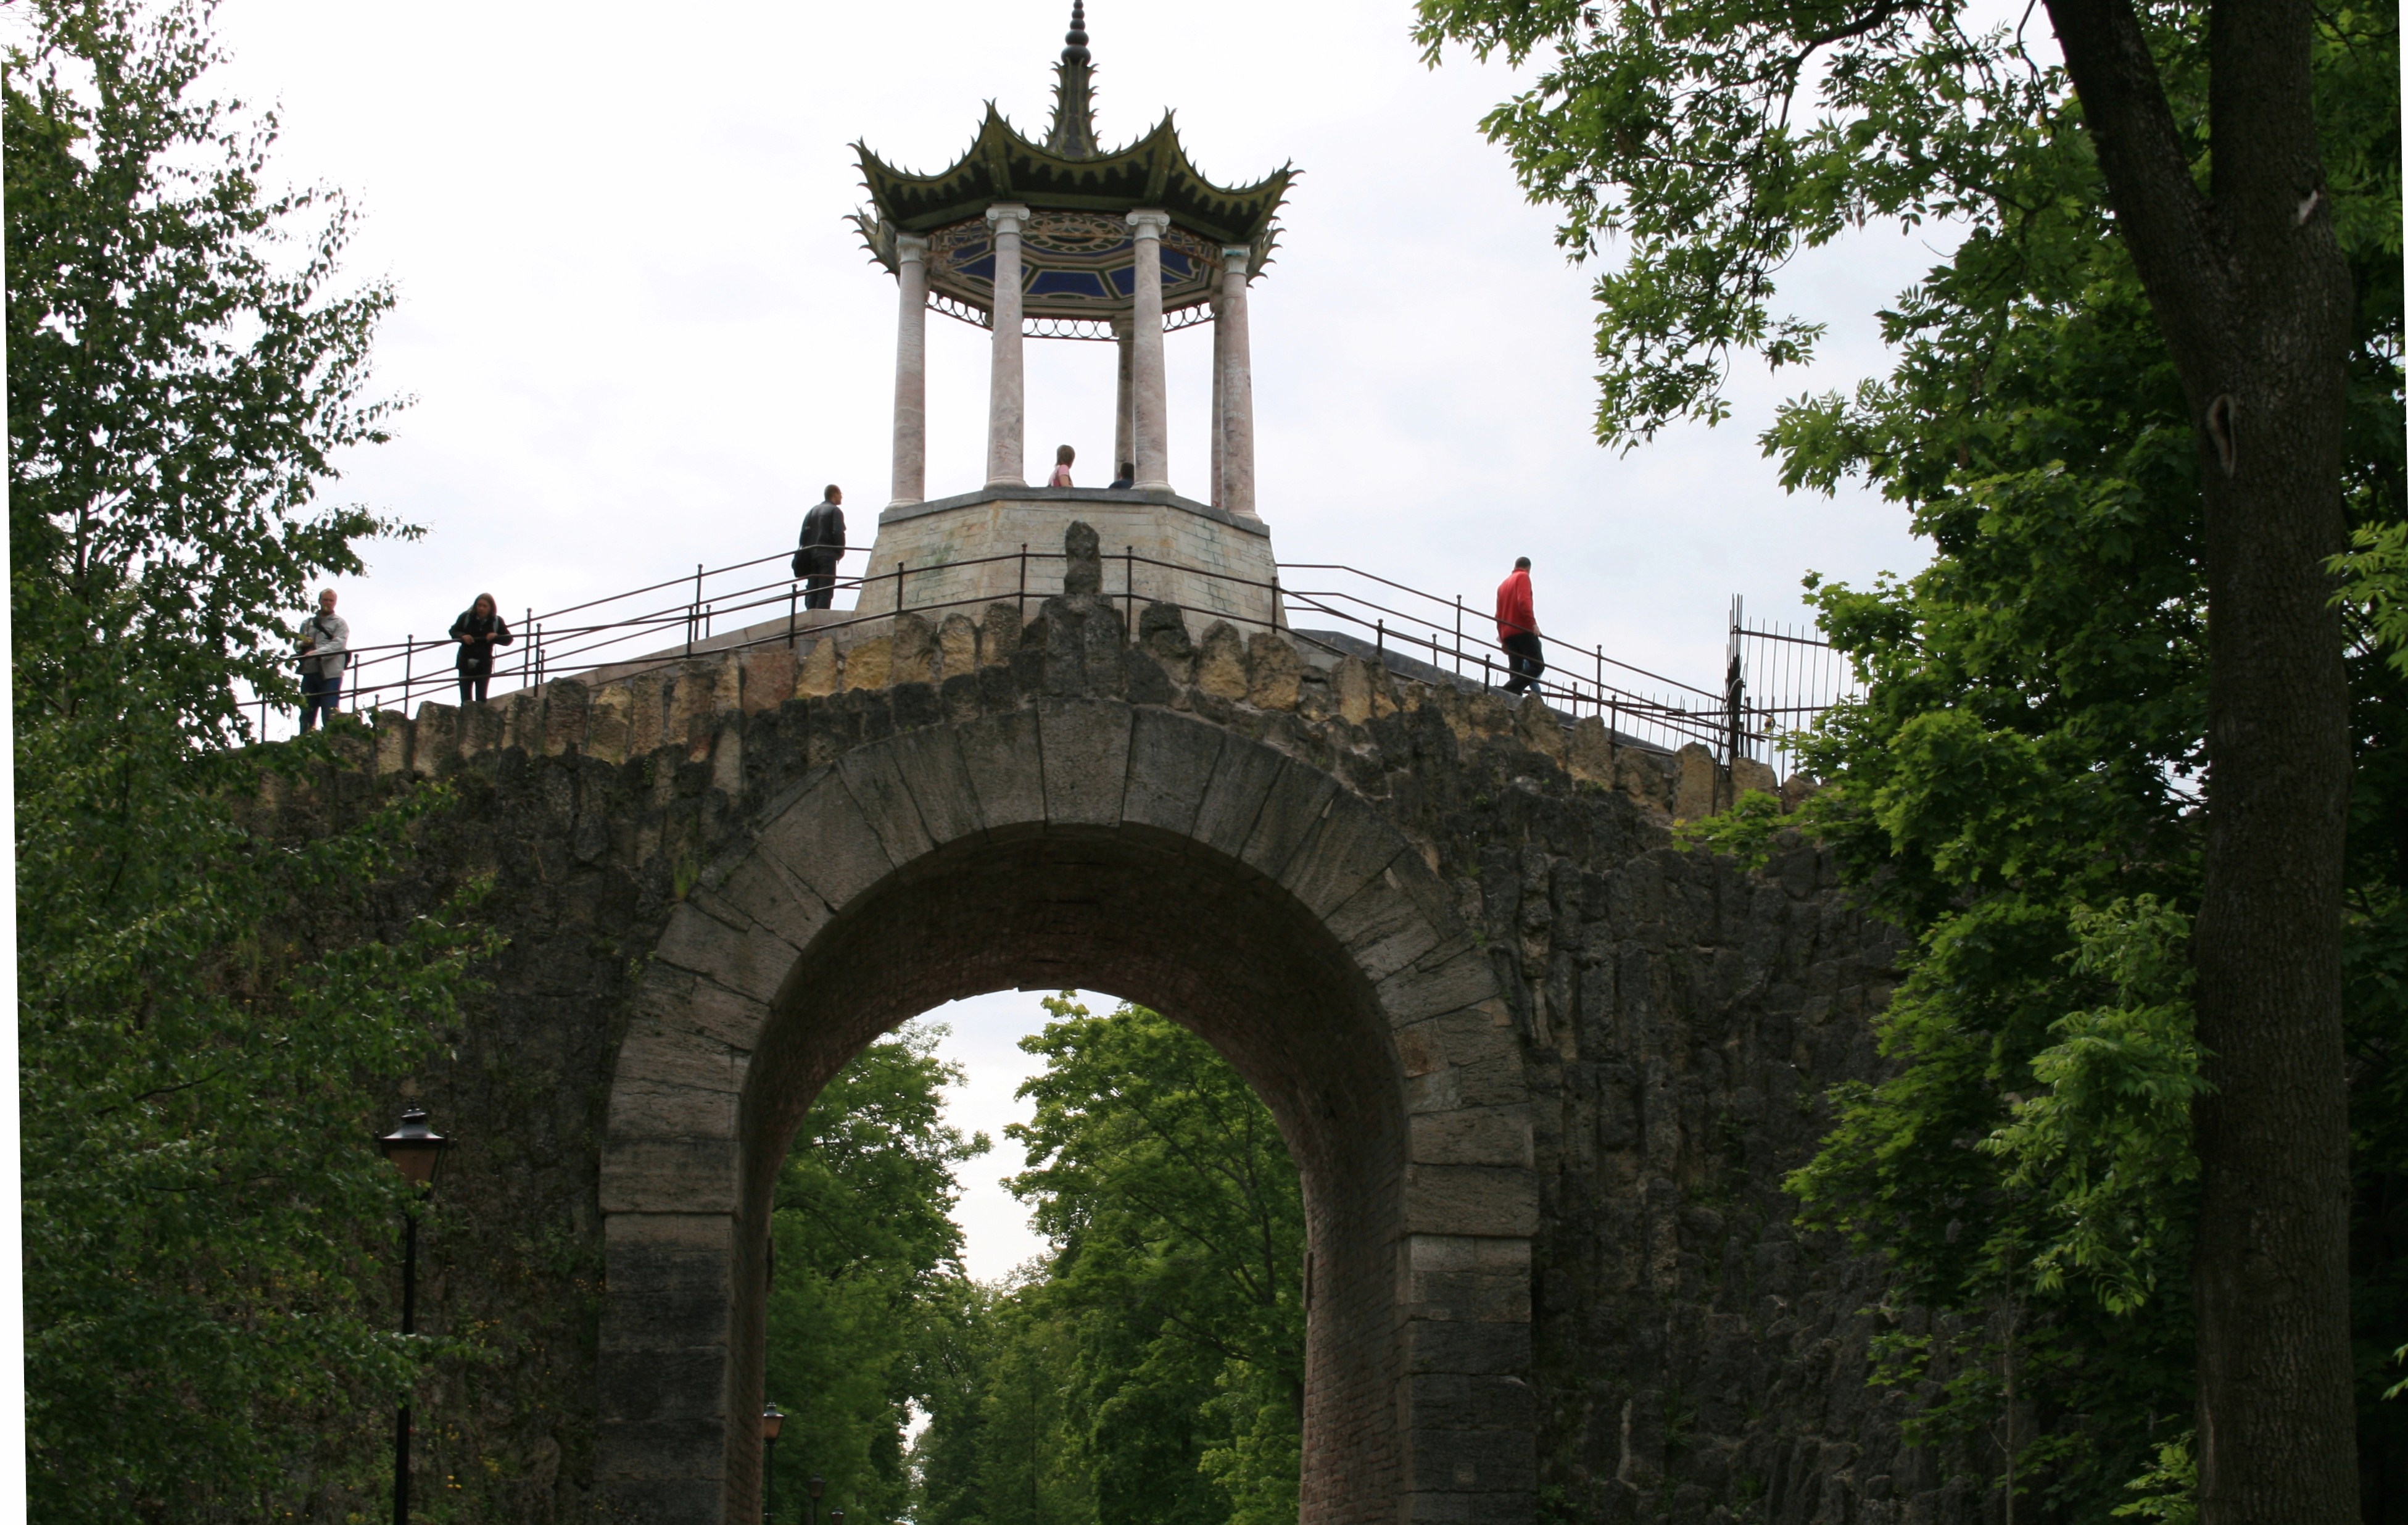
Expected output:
(1063, 239)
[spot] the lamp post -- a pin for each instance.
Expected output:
(818, 1485)
(773, 1420)
(416, 1150)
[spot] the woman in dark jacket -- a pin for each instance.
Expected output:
(478, 631)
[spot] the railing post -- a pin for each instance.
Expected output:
(527, 653)
(539, 656)
(793, 589)
(900, 567)
(1458, 636)
(1381, 645)
(1128, 586)
(1019, 599)
(408, 663)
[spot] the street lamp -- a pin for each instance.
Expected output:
(773, 1420)
(416, 1150)
(818, 1485)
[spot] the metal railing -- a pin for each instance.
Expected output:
(1776, 681)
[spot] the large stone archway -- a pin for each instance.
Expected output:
(1152, 856)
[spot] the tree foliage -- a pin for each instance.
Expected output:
(203, 1012)
(865, 1281)
(2021, 785)
(1155, 1371)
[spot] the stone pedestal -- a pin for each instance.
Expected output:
(963, 553)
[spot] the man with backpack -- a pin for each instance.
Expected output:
(823, 545)
(325, 652)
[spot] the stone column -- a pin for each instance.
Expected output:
(1234, 374)
(1148, 399)
(1124, 447)
(911, 370)
(1006, 404)
(1220, 399)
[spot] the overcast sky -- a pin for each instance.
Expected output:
(641, 334)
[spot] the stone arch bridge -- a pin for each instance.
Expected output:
(1541, 1069)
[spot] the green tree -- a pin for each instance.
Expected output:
(201, 1011)
(865, 1271)
(2019, 788)
(1682, 127)
(1155, 1371)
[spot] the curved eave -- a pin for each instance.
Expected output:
(1002, 166)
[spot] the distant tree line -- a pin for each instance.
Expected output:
(1149, 1368)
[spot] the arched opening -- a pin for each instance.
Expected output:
(1148, 917)
(1152, 857)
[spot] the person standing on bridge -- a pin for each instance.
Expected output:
(1517, 628)
(822, 546)
(478, 631)
(1063, 456)
(325, 652)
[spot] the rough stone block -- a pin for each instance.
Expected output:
(957, 645)
(649, 716)
(675, 997)
(669, 1175)
(1452, 1400)
(522, 722)
(673, 1384)
(609, 722)
(1478, 1199)
(768, 673)
(823, 841)
(1172, 760)
(1747, 774)
(1382, 926)
(1447, 980)
(393, 737)
(821, 672)
(1292, 813)
(436, 737)
(566, 704)
(1589, 753)
(759, 889)
(1233, 800)
(655, 1108)
(1274, 671)
(1697, 784)
(1006, 768)
(1471, 1349)
(1220, 662)
(915, 656)
(885, 801)
(929, 764)
(1538, 727)
(1476, 1136)
(751, 962)
(668, 1275)
(870, 664)
(998, 634)
(1085, 745)
(1349, 847)
(648, 1501)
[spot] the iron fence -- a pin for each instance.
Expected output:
(1776, 680)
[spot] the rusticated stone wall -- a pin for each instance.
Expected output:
(1549, 990)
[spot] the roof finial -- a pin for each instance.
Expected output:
(1073, 136)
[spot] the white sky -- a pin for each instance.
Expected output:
(641, 334)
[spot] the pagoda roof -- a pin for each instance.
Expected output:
(1078, 254)
(1001, 165)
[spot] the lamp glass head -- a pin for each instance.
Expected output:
(773, 1420)
(414, 1148)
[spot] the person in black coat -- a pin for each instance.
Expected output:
(478, 632)
(823, 545)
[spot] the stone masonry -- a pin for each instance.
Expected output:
(1543, 1069)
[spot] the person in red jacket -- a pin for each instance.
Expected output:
(1517, 628)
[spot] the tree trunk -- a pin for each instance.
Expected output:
(2253, 296)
